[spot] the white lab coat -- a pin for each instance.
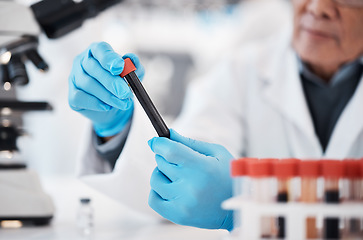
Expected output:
(252, 103)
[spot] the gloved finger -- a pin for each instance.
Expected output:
(114, 84)
(207, 149)
(167, 209)
(160, 205)
(156, 202)
(140, 70)
(107, 57)
(174, 152)
(170, 170)
(79, 100)
(162, 185)
(88, 84)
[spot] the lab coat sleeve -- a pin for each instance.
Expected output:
(110, 150)
(89, 162)
(100, 158)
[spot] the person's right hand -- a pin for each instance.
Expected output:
(98, 92)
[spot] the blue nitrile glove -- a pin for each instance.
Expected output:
(190, 182)
(96, 90)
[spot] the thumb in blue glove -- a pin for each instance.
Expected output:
(190, 182)
(97, 92)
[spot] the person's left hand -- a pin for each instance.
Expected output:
(190, 182)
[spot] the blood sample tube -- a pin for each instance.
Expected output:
(352, 193)
(137, 88)
(285, 171)
(241, 186)
(309, 172)
(260, 173)
(333, 172)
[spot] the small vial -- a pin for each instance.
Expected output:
(85, 216)
(241, 186)
(352, 193)
(333, 172)
(309, 172)
(285, 171)
(260, 173)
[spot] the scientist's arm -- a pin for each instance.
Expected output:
(97, 92)
(190, 182)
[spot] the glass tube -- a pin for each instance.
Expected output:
(309, 188)
(282, 197)
(331, 195)
(261, 192)
(240, 185)
(352, 193)
(262, 189)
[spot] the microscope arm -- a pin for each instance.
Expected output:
(59, 17)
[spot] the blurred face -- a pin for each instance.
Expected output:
(327, 34)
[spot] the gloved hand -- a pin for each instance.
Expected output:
(97, 92)
(190, 182)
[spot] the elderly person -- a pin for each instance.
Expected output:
(297, 95)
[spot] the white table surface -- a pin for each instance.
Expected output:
(111, 219)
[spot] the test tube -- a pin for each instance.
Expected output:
(239, 175)
(352, 193)
(333, 172)
(309, 172)
(145, 101)
(260, 173)
(284, 171)
(241, 186)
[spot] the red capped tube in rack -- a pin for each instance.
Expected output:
(352, 180)
(239, 174)
(285, 171)
(241, 184)
(332, 172)
(260, 173)
(352, 187)
(309, 172)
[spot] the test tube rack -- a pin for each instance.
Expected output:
(295, 214)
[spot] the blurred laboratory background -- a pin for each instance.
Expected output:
(184, 37)
(177, 41)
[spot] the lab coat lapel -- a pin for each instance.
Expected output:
(348, 127)
(284, 91)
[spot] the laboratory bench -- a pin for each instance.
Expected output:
(111, 219)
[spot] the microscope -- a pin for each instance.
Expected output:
(21, 195)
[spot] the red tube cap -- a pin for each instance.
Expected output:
(352, 168)
(332, 168)
(285, 168)
(128, 67)
(239, 166)
(309, 168)
(260, 168)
